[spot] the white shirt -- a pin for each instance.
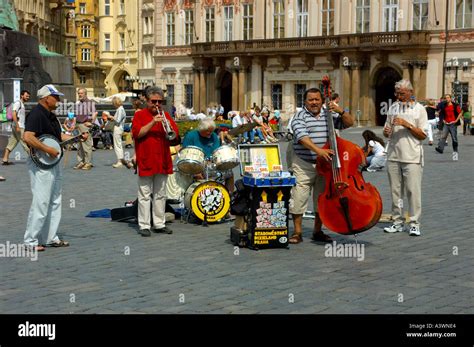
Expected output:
(236, 121)
(403, 146)
(19, 108)
(377, 148)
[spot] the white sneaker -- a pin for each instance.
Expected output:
(116, 165)
(414, 230)
(394, 228)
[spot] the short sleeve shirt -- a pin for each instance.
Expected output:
(403, 146)
(40, 121)
(19, 108)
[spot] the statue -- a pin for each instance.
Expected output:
(8, 18)
(19, 55)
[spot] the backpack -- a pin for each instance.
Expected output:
(9, 112)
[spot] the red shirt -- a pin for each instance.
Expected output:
(153, 149)
(449, 115)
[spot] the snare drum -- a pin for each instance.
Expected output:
(225, 158)
(207, 200)
(190, 160)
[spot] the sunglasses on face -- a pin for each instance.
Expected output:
(156, 101)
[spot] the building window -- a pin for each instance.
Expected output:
(122, 7)
(248, 21)
(210, 24)
(170, 93)
(147, 25)
(328, 18)
(302, 18)
(390, 15)
(363, 16)
(464, 9)
(86, 31)
(188, 95)
(107, 42)
(121, 42)
(277, 96)
(299, 94)
(146, 60)
(188, 26)
(420, 14)
(170, 28)
(86, 54)
(82, 78)
(460, 92)
(82, 8)
(228, 22)
(278, 19)
(107, 7)
(69, 48)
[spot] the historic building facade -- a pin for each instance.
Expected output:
(87, 71)
(146, 43)
(245, 52)
(118, 44)
(50, 21)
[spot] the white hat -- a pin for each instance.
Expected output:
(48, 90)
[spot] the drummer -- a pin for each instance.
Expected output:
(206, 139)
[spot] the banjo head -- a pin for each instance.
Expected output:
(42, 159)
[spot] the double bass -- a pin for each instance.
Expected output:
(348, 205)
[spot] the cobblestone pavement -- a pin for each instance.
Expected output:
(110, 269)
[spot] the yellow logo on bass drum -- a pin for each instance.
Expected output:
(210, 200)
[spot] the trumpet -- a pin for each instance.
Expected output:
(170, 133)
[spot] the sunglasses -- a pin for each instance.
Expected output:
(156, 101)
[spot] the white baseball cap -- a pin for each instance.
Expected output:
(48, 90)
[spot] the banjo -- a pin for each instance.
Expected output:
(45, 161)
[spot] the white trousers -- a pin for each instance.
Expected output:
(146, 186)
(118, 131)
(45, 212)
(405, 177)
(431, 124)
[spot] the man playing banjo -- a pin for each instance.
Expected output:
(45, 212)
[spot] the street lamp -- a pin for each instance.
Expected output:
(455, 65)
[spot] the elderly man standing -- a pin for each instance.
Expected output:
(46, 184)
(154, 163)
(406, 127)
(85, 116)
(310, 130)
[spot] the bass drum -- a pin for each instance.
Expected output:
(207, 200)
(176, 185)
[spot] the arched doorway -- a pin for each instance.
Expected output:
(122, 80)
(226, 92)
(384, 92)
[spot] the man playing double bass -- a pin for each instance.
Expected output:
(310, 131)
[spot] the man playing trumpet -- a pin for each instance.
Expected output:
(152, 148)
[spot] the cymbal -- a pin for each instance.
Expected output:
(242, 128)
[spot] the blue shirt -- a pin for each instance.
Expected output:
(208, 145)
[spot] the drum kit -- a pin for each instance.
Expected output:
(208, 199)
